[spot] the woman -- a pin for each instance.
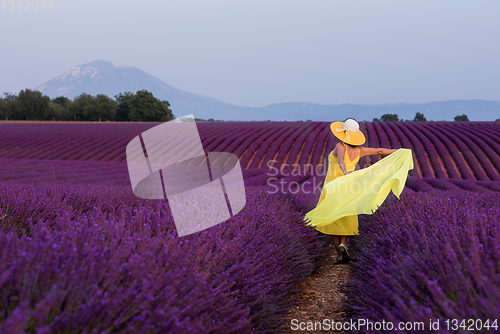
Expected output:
(377, 180)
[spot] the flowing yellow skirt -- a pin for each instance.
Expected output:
(360, 192)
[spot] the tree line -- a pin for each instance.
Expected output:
(32, 105)
(419, 117)
(141, 106)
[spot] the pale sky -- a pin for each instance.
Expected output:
(259, 52)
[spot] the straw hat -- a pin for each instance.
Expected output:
(348, 132)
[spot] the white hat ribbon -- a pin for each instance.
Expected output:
(347, 138)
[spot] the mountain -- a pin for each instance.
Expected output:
(105, 77)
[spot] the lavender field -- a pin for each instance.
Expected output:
(80, 253)
(447, 155)
(427, 257)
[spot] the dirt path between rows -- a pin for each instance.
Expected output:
(320, 297)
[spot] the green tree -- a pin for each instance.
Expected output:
(99, 108)
(32, 104)
(9, 106)
(389, 118)
(144, 107)
(419, 117)
(59, 107)
(375, 119)
(3, 108)
(462, 118)
(123, 109)
(76, 108)
(63, 101)
(55, 111)
(497, 120)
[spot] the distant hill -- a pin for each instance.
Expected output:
(476, 110)
(105, 77)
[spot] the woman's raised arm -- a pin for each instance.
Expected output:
(364, 151)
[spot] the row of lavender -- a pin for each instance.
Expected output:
(463, 150)
(456, 150)
(428, 258)
(278, 180)
(93, 258)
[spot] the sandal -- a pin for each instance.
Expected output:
(338, 260)
(344, 254)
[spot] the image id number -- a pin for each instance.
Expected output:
(27, 5)
(471, 324)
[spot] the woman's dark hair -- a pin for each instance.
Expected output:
(353, 146)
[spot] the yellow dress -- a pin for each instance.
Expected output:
(346, 225)
(343, 197)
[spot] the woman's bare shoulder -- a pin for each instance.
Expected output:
(338, 148)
